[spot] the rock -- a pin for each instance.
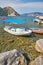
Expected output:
(11, 11)
(8, 11)
(12, 57)
(37, 61)
(39, 45)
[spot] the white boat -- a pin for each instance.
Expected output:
(39, 19)
(17, 31)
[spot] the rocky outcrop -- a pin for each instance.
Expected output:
(11, 11)
(39, 45)
(37, 61)
(13, 57)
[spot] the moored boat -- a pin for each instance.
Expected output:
(17, 31)
(37, 30)
(14, 21)
(38, 19)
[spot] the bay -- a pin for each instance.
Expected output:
(29, 23)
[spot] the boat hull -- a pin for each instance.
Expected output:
(38, 19)
(39, 31)
(28, 32)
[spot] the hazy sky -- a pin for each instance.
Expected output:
(24, 6)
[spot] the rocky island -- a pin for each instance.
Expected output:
(8, 11)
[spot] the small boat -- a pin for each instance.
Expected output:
(38, 19)
(17, 31)
(14, 21)
(3, 18)
(37, 30)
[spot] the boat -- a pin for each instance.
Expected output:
(17, 31)
(37, 30)
(38, 19)
(14, 21)
(3, 18)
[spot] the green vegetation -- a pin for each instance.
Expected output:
(3, 12)
(23, 44)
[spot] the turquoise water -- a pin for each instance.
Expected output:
(29, 23)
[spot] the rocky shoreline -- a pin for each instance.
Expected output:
(24, 45)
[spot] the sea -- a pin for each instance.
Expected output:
(29, 22)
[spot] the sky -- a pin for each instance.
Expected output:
(23, 6)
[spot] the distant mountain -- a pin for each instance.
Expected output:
(33, 14)
(8, 11)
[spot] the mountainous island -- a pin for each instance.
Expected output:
(8, 11)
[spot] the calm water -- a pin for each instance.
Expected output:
(29, 23)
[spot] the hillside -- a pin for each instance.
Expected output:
(11, 11)
(8, 11)
(3, 12)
